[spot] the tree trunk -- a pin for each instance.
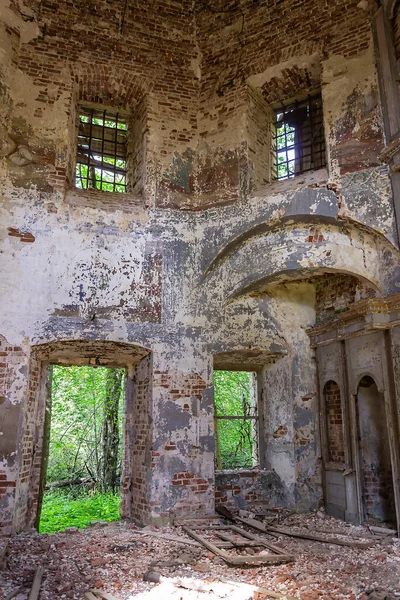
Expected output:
(110, 432)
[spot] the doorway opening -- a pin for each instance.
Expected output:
(375, 461)
(82, 446)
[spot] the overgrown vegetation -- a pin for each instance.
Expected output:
(85, 444)
(63, 509)
(86, 440)
(86, 430)
(236, 437)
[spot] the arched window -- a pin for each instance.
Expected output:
(334, 422)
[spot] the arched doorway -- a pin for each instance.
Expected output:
(374, 453)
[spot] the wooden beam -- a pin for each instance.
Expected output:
(37, 581)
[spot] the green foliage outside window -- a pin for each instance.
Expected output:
(78, 399)
(91, 167)
(235, 437)
(285, 157)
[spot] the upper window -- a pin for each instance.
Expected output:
(101, 162)
(236, 420)
(299, 138)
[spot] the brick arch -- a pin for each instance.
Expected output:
(292, 82)
(334, 422)
(99, 84)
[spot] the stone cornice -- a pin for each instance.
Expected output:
(357, 320)
(390, 151)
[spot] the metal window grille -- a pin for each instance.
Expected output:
(299, 138)
(102, 150)
(244, 428)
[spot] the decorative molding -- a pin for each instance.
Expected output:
(390, 151)
(355, 321)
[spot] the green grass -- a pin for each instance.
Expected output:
(61, 510)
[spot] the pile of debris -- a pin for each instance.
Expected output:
(279, 555)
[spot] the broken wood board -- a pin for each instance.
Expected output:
(239, 541)
(37, 582)
(169, 538)
(272, 529)
(12, 595)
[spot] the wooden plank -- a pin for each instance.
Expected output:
(37, 581)
(228, 545)
(266, 543)
(319, 538)
(236, 543)
(170, 538)
(286, 531)
(210, 527)
(12, 595)
(237, 560)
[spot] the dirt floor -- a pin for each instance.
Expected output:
(116, 557)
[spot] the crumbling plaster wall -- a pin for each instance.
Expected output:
(129, 268)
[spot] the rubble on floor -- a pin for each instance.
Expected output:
(117, 558)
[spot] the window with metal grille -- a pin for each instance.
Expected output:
(299, 138)
(236, 420)
(102, 150)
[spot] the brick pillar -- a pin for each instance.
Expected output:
(183, 442)
(13, 369)
(136, 474)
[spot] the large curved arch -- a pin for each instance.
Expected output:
(303, 248)
(269, 226)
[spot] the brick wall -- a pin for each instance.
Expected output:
(11, 357)
(31, 449)
(334, 293)
(182, 453)
(239, 490)
(251, 490)
(260, 117)
(183, 72)
(334, 422)
(136, 476)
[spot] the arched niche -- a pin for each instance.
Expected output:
(376, 476)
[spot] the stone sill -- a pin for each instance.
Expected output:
(309, 179)
(255, 471)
